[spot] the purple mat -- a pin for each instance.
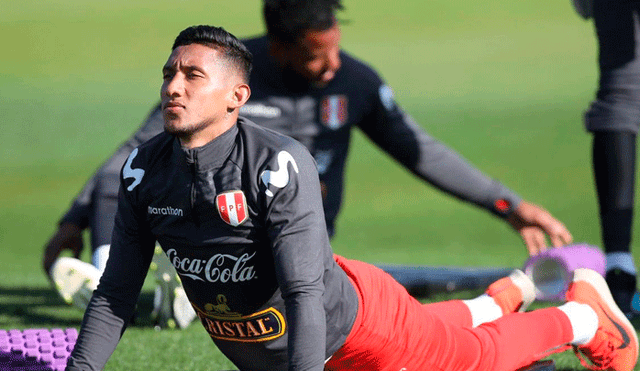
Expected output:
(36, 349)
(552, 270)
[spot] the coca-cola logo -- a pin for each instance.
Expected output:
(218, 268)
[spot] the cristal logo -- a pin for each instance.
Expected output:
(218, 268)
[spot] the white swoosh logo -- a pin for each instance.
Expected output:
(128, 172)
(280, 177)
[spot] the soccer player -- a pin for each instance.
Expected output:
(613, 119)
(244, 227)
(305, 87)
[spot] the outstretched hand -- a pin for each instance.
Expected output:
(535, 224)
(67, 237)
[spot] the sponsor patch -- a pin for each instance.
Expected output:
(129, 172)
(323, 160)
(279, 178)
(222, 324)
(333, 111)
(167, 210)
(386, 97)
(232, 207)
(260, 110)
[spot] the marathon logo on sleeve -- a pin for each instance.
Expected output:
(222, 324)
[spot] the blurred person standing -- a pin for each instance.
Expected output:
(613, 118)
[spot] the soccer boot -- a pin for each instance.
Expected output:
(513, 293)
(75, 281)
(171, 307)
(615, 344)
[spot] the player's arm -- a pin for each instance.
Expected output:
(68, 236)
(295, 221)
(113, 302)
(398, 135)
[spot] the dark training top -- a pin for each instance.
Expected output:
(322, 119)
(241, 220)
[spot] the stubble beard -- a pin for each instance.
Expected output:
(183, 131)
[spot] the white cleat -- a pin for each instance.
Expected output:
(171, 307)
(75, 281)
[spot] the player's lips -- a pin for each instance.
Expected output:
(172, 106)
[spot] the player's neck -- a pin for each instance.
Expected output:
(208, 133)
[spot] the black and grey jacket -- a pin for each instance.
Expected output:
(241, 219)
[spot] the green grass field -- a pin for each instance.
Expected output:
(504, 83)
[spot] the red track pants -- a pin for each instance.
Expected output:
(395, 332)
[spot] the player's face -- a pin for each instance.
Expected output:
(197, 89)
(316, 55)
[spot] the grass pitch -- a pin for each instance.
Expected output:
(504, 83)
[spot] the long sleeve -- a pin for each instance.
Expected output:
(296, 226)
(113, 302)
(398, 135)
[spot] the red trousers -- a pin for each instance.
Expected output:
(395, 332)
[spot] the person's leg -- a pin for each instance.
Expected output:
(613, 118)
(590, 321)
(507, 295)
(394, 331)
(614, 156)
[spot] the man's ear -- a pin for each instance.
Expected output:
(241, 94)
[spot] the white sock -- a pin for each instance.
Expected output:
(483, 309)
(621, 260)
(100, 256)
(584, 321)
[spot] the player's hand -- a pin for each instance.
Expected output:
(535, 224)
(67, 237)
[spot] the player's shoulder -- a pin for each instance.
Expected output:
(261, 140)
(157, 142)
(355, 69)
(152, 151)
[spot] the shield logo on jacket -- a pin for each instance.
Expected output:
(232, 207)
(333, 111)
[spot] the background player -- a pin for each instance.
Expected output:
(613, 119)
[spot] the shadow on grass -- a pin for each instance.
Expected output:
(33, 307)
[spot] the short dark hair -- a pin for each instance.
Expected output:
(218, 38)
(287, 20)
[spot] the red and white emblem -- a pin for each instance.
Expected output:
(333, 111)
(232, 207)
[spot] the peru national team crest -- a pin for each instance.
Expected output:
(333, 111)
(232, 207)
